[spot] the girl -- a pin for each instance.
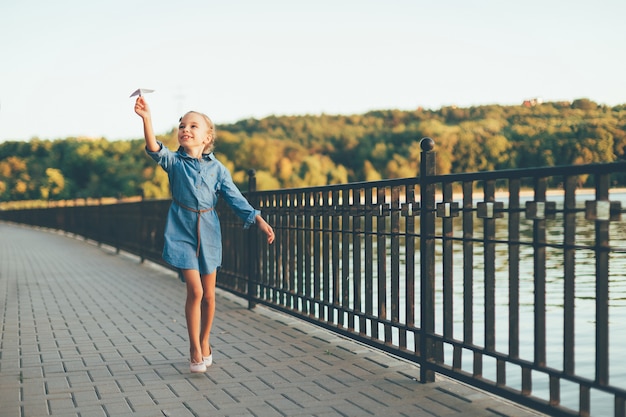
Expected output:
(193, 241)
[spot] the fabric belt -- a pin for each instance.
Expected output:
(199, 212)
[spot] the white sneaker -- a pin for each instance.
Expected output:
(197, 368)
(208, 360)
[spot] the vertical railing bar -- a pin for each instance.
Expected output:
(489, 254)
(457, 357)
(369, 262)
(381, 258)
(308, 252)
(501, 373)
(584, 401)
(448, 267)
(620, 406)
(477, 365)
(569, 273)
(514, 261)
(299, 252)
(286, 244)
(326, 245)
(252, 252)
(264, 253)
(274, 254)
(280, 242)
(527, 382)
(468, 263)
(410, 260)
(357, 233)
(555, 391)
(269, 257)
(539, 267)
(290, 288)
(317, 252)
(346, 235)
(142, 228)
(395, 257)
(602, 286)
(336, 277)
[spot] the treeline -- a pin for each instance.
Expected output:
(297, 151)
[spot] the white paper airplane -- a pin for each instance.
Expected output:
(141, 91)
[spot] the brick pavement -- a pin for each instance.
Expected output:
(87, 332)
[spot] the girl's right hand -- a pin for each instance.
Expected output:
(141, 107)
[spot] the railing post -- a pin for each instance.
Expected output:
(427, 260)
(253, 255)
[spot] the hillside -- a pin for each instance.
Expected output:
(295, 151)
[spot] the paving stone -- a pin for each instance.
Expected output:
(91, 411)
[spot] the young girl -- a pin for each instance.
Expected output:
(193, 241)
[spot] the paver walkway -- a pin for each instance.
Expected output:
(87, 332)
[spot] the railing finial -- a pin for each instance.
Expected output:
(427, 144)
(251, 180)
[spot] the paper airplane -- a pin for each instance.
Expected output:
(141, 91)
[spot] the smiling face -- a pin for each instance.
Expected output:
(194, 133)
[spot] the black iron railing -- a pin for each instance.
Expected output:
(513, 281)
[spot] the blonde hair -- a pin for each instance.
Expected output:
(211, 145)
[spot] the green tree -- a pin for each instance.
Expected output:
(54, 185)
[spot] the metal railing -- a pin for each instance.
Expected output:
(498, 279)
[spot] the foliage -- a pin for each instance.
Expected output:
(298, 151)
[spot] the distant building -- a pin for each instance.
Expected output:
(532, 102)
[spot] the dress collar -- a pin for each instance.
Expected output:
(205, 156)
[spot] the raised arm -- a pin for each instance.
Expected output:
(142, 109)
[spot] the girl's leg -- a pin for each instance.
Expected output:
(208, 311)
(193, 313)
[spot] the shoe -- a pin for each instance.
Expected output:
(197, 368)
(208, 360)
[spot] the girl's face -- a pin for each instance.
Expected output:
(193, 133)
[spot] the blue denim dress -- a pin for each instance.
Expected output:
(193, 238)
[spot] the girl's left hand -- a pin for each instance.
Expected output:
(266, 228)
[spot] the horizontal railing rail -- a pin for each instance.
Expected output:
(513, 281)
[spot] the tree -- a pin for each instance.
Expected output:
(584, 104)
(54, 184)
(14, 174)
(370, 173)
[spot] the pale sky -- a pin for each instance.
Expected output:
(67, 67)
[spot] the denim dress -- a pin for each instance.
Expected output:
(193, 238)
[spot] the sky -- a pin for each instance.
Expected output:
(68, 67)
